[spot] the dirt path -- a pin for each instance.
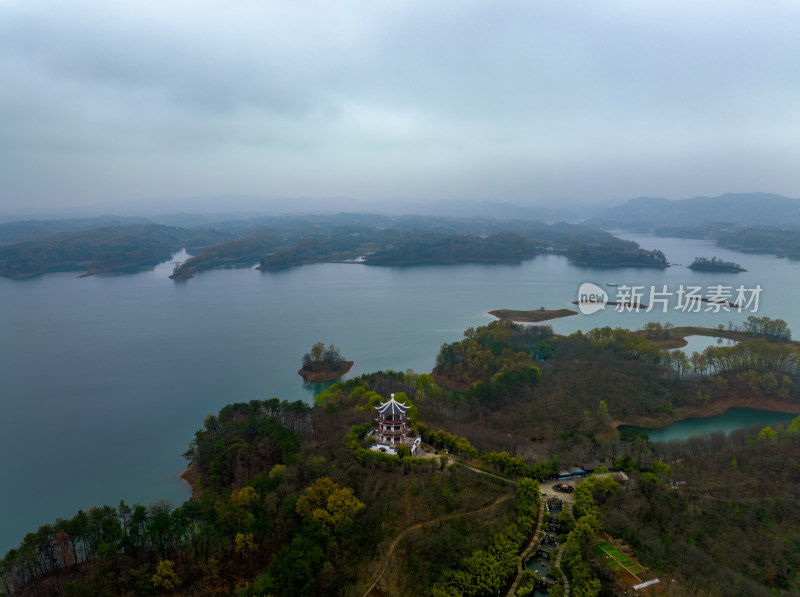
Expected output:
(547, 490)
(420, 525)
(480, 472)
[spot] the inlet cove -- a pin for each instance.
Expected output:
(731, 420)
(285, 482)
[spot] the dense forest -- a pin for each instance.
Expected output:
(627, 255)
(288, 499)
(761, 239)
(452, 248)
(715, 265)
(286, 241)
(240, 251)
(766, 240)
(98, 250)
(22, 230)
(378, 240)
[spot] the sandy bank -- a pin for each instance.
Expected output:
(534, 316)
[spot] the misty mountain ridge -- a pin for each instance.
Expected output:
(735, 209)
(241, 225)
(210, 209)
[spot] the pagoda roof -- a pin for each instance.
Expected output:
(392, 407)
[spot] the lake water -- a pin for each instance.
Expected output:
(104, 380)
(730, 420)
(700, 343)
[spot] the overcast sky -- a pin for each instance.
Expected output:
(113, 102)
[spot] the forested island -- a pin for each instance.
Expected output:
(402, 240)
(99, 250)
(715, 265)
(288, 499)
(366, 238)
(290, 241)
(627, 255)
(324, 364)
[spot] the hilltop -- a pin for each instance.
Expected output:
(734, 209)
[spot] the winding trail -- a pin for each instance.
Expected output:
(420, 525)
(533, 545)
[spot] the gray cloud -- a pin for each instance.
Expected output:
(105, 102)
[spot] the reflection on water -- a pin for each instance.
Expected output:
(135, 362)
(316, 388)
(731, 420)
(700, 343)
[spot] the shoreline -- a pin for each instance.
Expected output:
(323, 376)
(191, 476)
(533, 316)
(636, 306)
(715, 408)
(679, 334)
(612, 265)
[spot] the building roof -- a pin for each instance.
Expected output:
(594, 463)
(392, 407)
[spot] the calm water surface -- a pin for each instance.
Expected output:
(731, 420)
(700, 343)
(104, 380)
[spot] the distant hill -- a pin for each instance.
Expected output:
(99, 250)
(22, 230)
(736, 209)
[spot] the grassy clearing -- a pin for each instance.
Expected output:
(619, 561)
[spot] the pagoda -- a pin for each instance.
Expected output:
(391, 427)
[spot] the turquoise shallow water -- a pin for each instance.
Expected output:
(730, 420)
(104, 380)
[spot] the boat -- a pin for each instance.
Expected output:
(612, 284)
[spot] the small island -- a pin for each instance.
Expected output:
(531, 316)
(324, 364)
(629, 254)
(715, 265)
